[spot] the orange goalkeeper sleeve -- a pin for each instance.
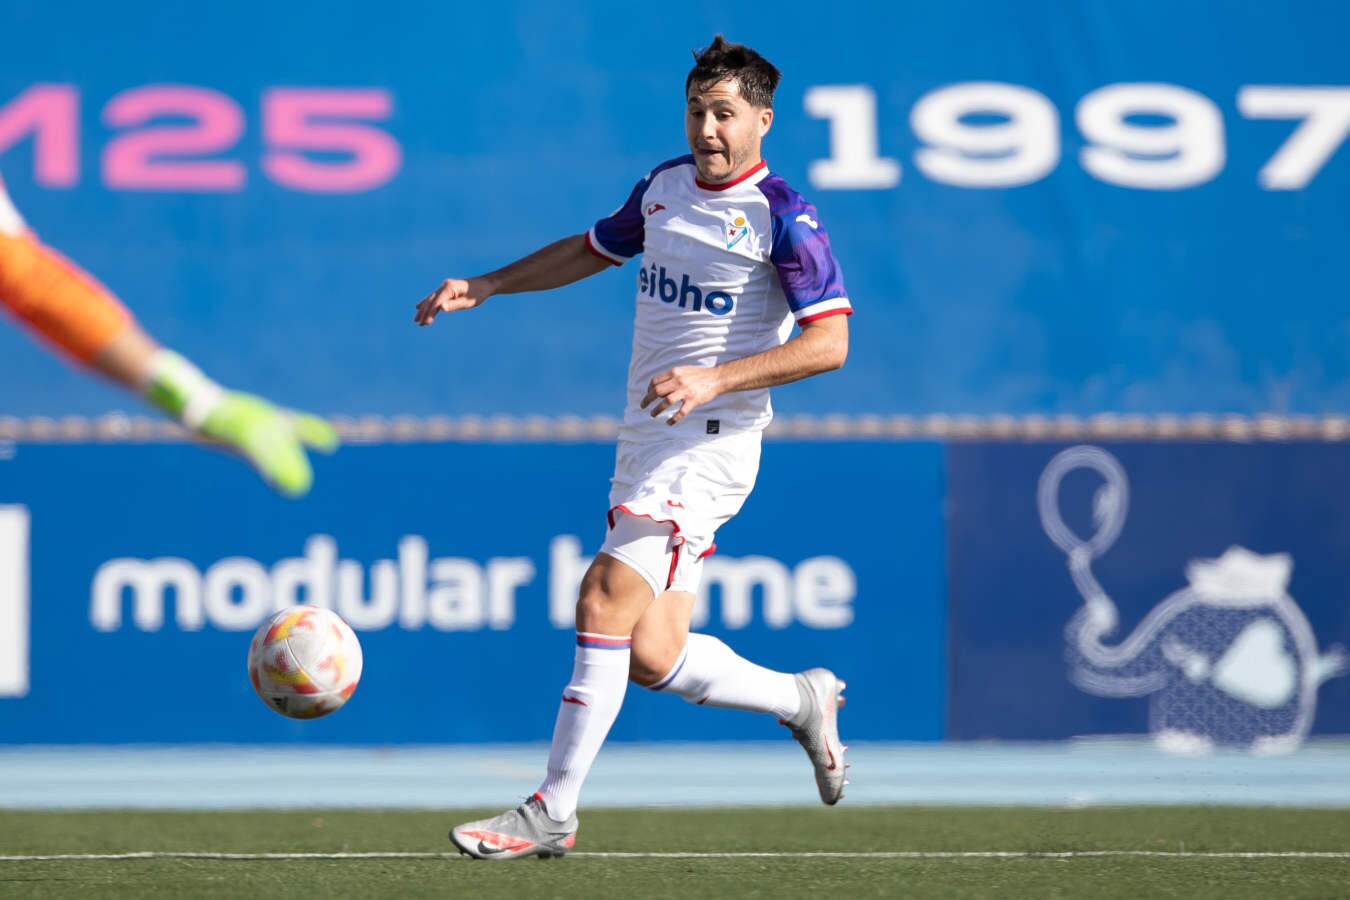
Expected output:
(57, 299)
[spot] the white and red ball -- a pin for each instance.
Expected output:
(304, 662)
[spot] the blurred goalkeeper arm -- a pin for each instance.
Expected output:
(61, 303)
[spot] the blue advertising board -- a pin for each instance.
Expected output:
(148, 567)
(1189, 591)
(1039, 207)
(1192, 591)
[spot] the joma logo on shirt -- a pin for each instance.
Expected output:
(655, 283)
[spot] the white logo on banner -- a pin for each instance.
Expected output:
(1229, 659)
(13, 601)
(415, 590)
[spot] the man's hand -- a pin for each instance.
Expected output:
(688, 386)
(453, 295)
(821, 346)
(273, 440)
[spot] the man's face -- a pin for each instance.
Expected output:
(724, 130)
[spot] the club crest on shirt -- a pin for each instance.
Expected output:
(737, 227)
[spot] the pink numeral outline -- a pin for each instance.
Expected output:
(51, 113)
(296, 120)
(135, 161)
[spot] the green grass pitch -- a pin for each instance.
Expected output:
(1175, 852)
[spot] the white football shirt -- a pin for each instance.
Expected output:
(727, 269)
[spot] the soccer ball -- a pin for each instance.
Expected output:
(304, 662)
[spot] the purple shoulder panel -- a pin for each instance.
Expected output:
(807, 269)
(621, 232)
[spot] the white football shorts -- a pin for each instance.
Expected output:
(668, 498)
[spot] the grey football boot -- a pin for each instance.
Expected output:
(816, 728)
(524, 831)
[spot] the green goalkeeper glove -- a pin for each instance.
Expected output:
(272, 439)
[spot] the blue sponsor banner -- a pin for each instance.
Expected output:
(1023, 196)
(1192, 591)
(149, 567)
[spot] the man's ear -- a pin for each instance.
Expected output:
(765, 120)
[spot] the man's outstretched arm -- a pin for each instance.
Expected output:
(61, 303)
(560, 263)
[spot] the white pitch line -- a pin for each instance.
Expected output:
(980, 854)
(841, 854)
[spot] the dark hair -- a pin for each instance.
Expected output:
(724, 60)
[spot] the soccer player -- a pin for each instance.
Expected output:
(732, 258)
(62, 304)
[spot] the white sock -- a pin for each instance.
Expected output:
(590, 704)
(710, 673)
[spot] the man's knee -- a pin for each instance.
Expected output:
(612, 597)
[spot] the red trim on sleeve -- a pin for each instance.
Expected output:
(825, 315)
(591, 247)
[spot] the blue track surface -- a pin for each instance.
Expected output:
(1075, 773)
